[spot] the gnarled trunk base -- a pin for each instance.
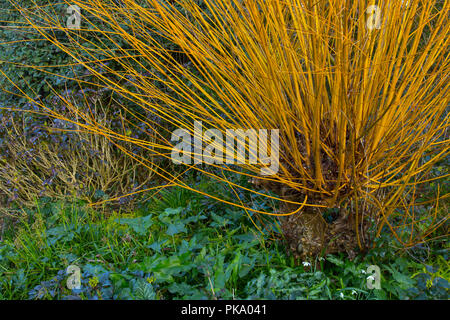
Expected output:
(309, 235)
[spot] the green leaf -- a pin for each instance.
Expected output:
(176, 228)
(172, 211)
(156, 245)
(139, 225)
(219, 274)
(335, 260)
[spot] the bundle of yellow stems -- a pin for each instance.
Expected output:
(358, 91)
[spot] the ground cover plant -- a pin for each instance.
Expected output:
(185, 246)
(353, 97)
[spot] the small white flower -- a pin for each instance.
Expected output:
(306, 264)
(341, 295)
(321, 258)
(353, 292)
(363, 271)
(371, 278)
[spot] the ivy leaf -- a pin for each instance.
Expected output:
(139, 225)
(176, 228)
(156, 246)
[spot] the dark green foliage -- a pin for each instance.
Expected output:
(19, 54)
(165, 252)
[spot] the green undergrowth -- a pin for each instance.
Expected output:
(185, 246)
